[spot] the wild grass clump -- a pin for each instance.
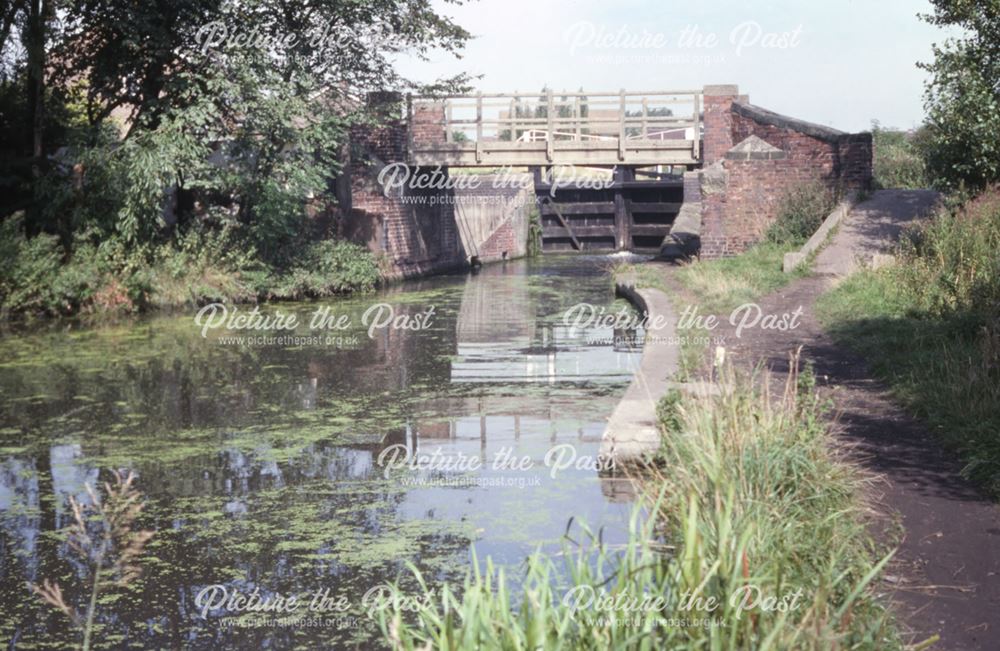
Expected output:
(327, 268)
(104, 536)
(746, 502)
(800, 213)
(199, 267)
(668, 411)
(930, 326)
(951, 265)
(726, 283)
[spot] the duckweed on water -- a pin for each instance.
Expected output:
(259, 464)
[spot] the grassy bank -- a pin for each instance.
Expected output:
(752, 536)
(930, 327)
(723, 284)
(720, 285)
(41, 276)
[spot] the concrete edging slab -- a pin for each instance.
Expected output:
(794, 258)
(633, 429)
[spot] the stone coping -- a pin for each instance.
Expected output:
(633, 430)
(794, 258)
(818, 131)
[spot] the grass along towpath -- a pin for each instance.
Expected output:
(945, 577)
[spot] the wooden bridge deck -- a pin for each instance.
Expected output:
(568, 128)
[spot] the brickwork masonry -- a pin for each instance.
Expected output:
(417, 231)
(754, 157)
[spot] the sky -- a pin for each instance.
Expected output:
(840, 64)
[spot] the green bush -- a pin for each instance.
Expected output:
(951, 265)
(801, 211)
(899, 158)
(962, 95)
(325, 268)
(35, 279)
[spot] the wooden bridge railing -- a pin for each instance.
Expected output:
(642, 128)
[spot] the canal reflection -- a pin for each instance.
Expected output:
(264, 466)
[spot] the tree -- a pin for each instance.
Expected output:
(246, 104)
(962, 97)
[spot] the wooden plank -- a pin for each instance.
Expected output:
(578, 232)
(661, 96)
(544, 187)
(623, 218)
(576, 117)
(568, 146)
(696, 136)
(562, 220)
(580, 208)
(479, 117)
(513, 120)
(650, 229)
(654, 206)
(645, 122)
(660, 184)
(550, 128)
(656, 175)
(621, 125)
(581, 153)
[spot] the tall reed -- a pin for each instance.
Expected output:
(104, 536)
(750, 535)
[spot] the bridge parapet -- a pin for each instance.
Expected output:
(566, 128)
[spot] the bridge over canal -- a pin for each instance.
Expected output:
(567, 128)
(607, 165)
(680, 172)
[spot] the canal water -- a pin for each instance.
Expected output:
(443, 415)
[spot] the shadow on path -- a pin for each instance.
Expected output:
(946, 575)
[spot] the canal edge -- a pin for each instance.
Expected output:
(632, 431)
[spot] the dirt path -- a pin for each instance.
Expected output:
(946, 575)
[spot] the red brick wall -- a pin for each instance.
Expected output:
(502, 204)
(736, 218)
(427, 126)
(843, 161)
(503, 243)
(418, 232)
(415, 237)
(741, 196)
(718, 138)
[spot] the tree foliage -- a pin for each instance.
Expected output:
(224, 117)
(962, 97)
